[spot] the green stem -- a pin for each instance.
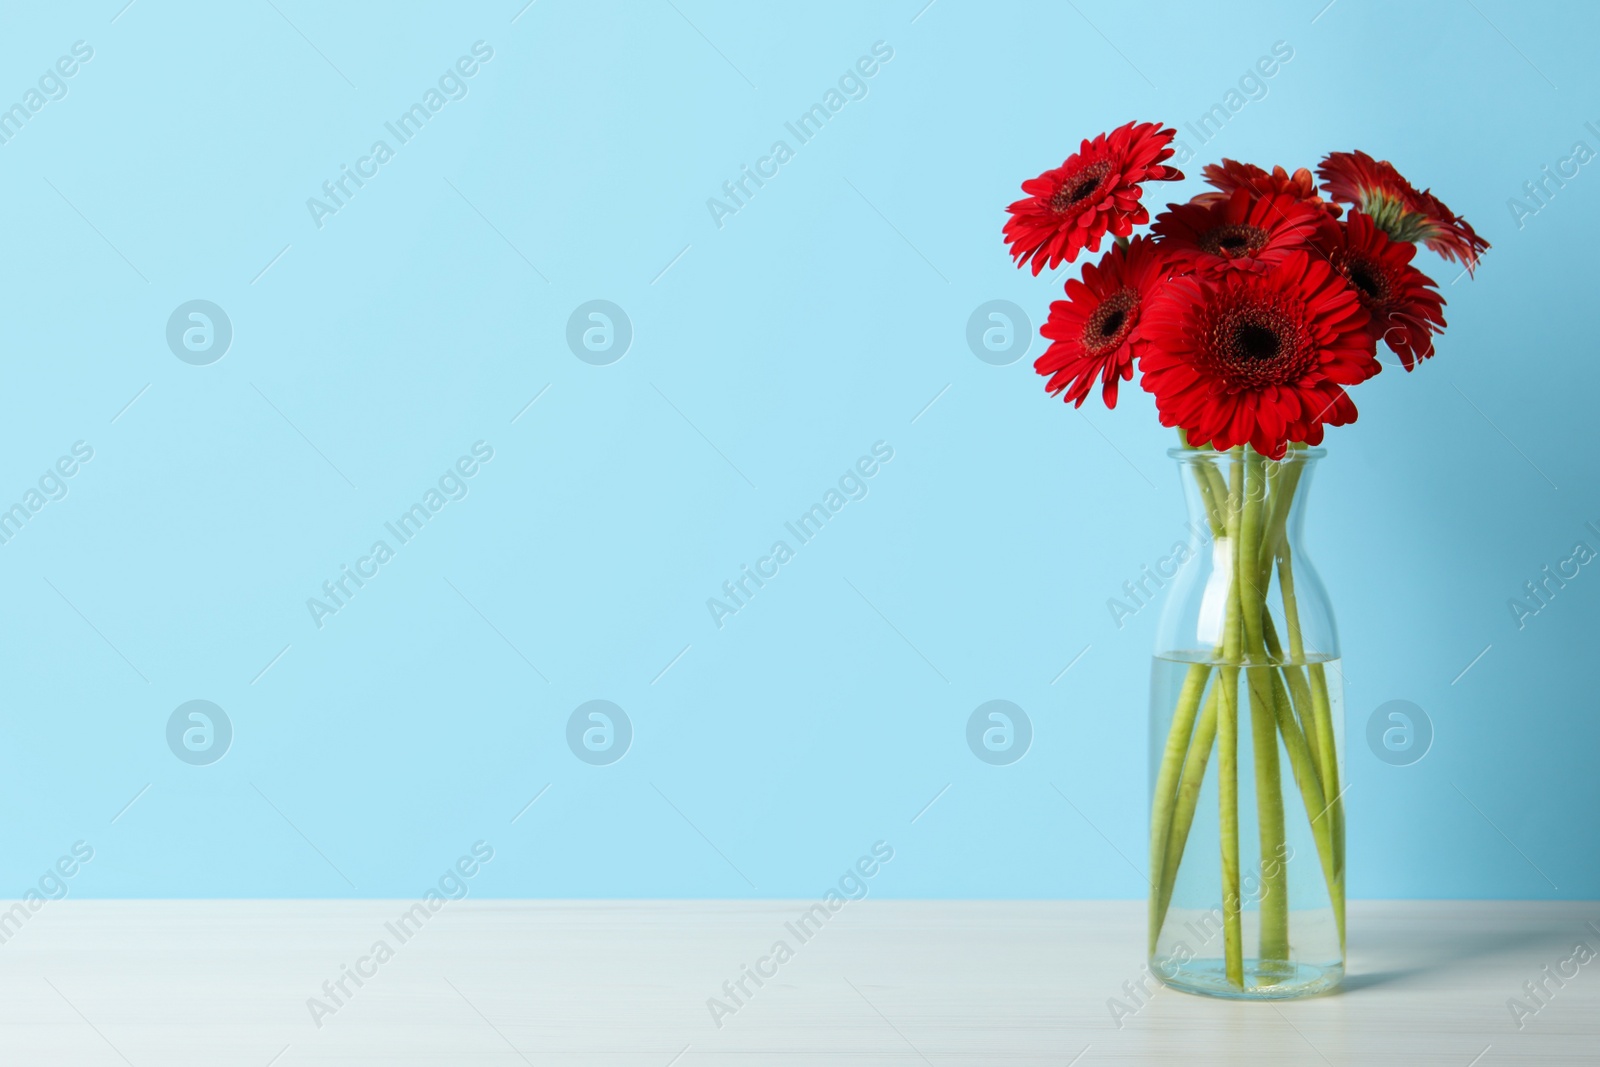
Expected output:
(1274, 904)
(1228, 743)
(1311, 795)
(1247, 569)
(1291, 609)
(1185, 802)
(1228, 802)
(1165, 796)
(1322, 717)
(1295, 676)
(1211, 481)
(1322, 713)
(1321, 746)
(1214, 505)
(1286, 480)
(1299, 723)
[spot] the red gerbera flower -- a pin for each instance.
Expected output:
(1094, 333)
(1405, 307)
(1232, 175)
(1242, 233)
(1097, 189)
(1257, 359)
(1398, 208)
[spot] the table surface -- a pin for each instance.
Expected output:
(491, 983)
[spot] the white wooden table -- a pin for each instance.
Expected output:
(174, 983)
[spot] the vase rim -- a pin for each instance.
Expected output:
(1211, 453)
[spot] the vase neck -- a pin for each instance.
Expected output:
(1215, 483)
(1249, 594)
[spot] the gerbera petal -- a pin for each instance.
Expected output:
(1095, 332)
(1246, 357)
(1242, 232)
(1065, 209)
(1403, 306)
(1399, 208)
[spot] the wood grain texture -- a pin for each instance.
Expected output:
(492, 983)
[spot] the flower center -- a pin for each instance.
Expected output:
(1371, 282)
(1233, 241)
(1257, 343)
(1077, 188)
(1111, 322)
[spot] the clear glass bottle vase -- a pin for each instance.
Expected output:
(1247, 743)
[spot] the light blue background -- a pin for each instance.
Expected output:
(820, 319)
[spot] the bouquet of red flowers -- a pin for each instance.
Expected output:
(1248, 312)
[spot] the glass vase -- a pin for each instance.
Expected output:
(1247, 743)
